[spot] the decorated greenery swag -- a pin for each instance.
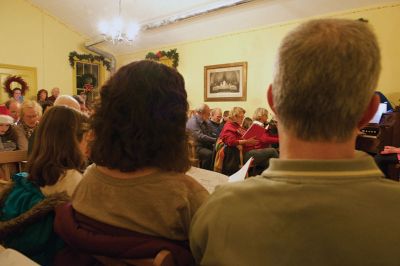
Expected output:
(171, 54)
(74, 56)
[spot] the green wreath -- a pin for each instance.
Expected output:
(171, 54)
(7, 85)
(86, 79)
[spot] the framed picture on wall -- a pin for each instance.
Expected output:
(226, 82)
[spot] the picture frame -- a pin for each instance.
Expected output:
(225, 82)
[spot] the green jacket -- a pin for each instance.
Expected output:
(26, 219)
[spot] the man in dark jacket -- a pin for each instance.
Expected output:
(200, 131)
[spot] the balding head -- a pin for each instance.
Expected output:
(67, 100)
(14, 108)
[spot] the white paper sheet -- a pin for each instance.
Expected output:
(208, 179)
(241, 174)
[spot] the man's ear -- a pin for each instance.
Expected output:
(370, 111)
(270, 98)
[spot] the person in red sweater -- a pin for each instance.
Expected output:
(231, 135)
(260, 118)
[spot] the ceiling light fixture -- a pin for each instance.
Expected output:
(118, 32)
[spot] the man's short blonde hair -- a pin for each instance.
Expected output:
(326, 74)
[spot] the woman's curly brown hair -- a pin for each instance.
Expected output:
(140, 119)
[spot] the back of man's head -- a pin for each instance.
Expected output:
(325, 78)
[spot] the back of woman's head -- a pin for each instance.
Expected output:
(140, 119)
(56, 145)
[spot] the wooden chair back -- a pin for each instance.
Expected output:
(163, 258)
(194, 161)
(12, 162)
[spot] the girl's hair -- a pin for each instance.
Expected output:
(56, 145)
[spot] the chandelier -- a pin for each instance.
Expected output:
(117, 31)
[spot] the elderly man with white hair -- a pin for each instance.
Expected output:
(31, 112)
(55, 92)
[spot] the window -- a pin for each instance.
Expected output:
(87, 77)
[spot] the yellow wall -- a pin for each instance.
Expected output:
(259, 46)
(30, 37)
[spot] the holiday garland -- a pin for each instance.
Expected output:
(171, 54)
(7, 85)
(74, 56)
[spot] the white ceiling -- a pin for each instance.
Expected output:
(83, 16)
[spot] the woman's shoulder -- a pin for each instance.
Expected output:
(67, 183)
(182, 180)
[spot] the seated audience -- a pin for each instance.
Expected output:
(201, 132)
(137, 183)
(267, 139)
(322, 202)
(247, 121)
(13, 108)
(26, 219)
(225, 118)
(10, 140)
(62, 100)
(232, 133)
(41, 98)
(55, 92)
(17, 95)
(215, 122)
(389, 156)
(31, 112)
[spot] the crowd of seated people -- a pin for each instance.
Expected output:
(133, 162)
(211, 135)
(54, 171)
(135, 199)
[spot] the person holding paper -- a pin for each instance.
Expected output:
(321, 202)
(232, 135)
(261, 118)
